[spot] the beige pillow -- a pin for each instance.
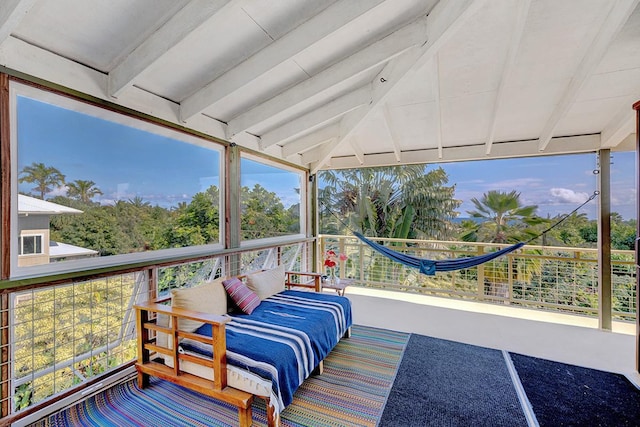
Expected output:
(267, 283)
(209, 297)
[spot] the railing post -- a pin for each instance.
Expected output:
(341, 250)
(480, 251)
(509, 278)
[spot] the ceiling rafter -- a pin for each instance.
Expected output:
(619, 12)
(318, 152)
(310, 141)
(516, 36)
(177, 28)
(622, 125)
(357, 150)
(283, 49)
(435, 84)
(374, 55)
(388, 121)
(319, 117)
(11, 13)
(445, 19)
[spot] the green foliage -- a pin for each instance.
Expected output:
(390, 201)
(264, 215)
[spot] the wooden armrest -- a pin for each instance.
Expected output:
(182, 312)
(316, 284)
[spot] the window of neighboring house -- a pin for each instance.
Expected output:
(271, 200)
(31, 244)
(107, 185)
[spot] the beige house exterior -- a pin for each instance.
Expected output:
(35, 246)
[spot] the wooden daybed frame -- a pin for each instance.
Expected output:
(146, 321)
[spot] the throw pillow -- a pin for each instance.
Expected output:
(209, 297)
(268, 282)
(244, 298)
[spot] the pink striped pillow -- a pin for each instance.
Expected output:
(244, 297)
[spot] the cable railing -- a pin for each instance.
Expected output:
(71, 335)
(540, 277)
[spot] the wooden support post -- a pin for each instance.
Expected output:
(232, 209)
(604, 239)
(636, 107)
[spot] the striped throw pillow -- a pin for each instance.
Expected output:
(244, 297)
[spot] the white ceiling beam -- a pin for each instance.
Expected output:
(444, 21)
(435, 84)
(318, 152)
(283, 49)
(618, 14)
(309, 141)
(393, 133)
(619, 128)
(501, 150)
(11, 13)
(363, 61)
(177, 28)
(516, 36)
(319, 117)
(357, 150)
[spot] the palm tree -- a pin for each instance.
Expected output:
(83, 190)
(394, 201)
(500, 210)
(46, 178)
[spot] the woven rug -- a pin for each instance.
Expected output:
(352, 391)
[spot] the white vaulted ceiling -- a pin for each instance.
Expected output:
(348, 83)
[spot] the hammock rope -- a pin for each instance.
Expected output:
(430, 267)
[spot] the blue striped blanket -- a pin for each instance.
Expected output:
(284, 339)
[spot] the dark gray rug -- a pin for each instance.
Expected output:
(445, 383)
(568, 395)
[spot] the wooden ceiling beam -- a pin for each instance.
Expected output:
(618, 14)
(445, 20)
(11, 13)
(309, 141)
(368, 58)
(281, 50)
(516, 36)
(317, 118)
(177, 28)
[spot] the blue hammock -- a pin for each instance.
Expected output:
(428, 266)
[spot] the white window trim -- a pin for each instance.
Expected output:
(303, 203)
(18, 89)
(21, 244)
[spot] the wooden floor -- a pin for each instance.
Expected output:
(559, 337)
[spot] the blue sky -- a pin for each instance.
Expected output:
(126, 162)
(556, 184)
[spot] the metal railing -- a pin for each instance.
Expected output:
(541, 277)
(66, 336)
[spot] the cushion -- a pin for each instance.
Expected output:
(209, 297)
(244, 298)
(267, 283)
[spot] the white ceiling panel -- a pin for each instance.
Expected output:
(308, 77)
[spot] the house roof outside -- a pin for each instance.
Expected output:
(31, 206)
(64, 250)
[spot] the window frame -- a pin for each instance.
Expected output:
(59, 99)
(34, 235)
(303, 201)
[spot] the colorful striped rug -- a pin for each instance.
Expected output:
(353, 389)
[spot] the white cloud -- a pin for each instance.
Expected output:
(565, 195)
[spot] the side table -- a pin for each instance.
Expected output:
(339, 287)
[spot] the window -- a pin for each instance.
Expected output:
(31, 245)
(101, 184)
(271, 200)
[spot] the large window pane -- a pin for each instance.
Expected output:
(95, 183)
(270, 199)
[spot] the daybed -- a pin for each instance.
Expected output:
(265, 342)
